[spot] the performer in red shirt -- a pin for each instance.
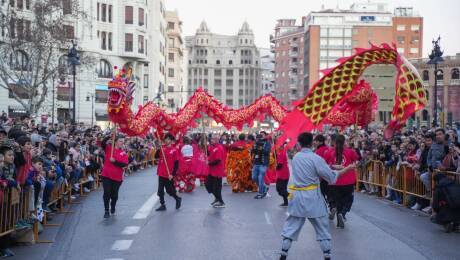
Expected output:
(282, 174)
(112, 172)
(342, 191)
(216, 162)
(168, 164)
(322, 149)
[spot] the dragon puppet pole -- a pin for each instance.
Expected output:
(205, 139)
(273, 144)
(114, 136)
(163, 154)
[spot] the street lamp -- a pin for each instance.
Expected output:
(435, 58)
(74, 60)
(90, 97)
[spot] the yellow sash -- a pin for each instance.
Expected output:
(294, 188)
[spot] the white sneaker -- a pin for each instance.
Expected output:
(73, 197)
(86, 190)
(416, 206)
(76, 186)
(427, 209)
(363, 191)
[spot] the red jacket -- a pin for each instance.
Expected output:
(217, 152)
(349, 156)
(281, 158)
(23, 170)
(171, 153)
(110, 170)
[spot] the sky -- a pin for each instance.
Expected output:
(441, 17)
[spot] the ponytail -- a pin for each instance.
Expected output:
(339, 144)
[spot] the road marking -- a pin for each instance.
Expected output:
(267, 218)
(145, 210)
(130, 230)
(121, 245)
(114, 259)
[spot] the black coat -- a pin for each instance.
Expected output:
(445, 213)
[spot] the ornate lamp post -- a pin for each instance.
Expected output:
(435, 58)
(73, 60)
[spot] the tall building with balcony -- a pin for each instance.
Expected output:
(175, 92)
(330, 34)
(448, 88)
(287, 44)
(228, 67)
(267, 66)
(126, 34)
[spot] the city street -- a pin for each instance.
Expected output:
(246, 229)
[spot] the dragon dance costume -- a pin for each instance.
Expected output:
(239, 165)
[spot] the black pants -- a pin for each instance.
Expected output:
(168, 185)
(342, 197)
(111, 188)
(214, 186)
(281, 188)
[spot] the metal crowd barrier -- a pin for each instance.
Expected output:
(13, 207)
(404, 181)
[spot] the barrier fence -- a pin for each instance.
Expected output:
(403, 182)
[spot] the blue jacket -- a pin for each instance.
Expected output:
(436, 154)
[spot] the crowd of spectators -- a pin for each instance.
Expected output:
(36, 159)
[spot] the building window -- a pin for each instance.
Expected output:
(171, 42)
(400, 27)
(128, 42)
(109, 41)
(414, 50)
(400, 39)
(426, 75)
(103, 40)
(218, 62)
(170, 88)
(19, 61)
(415, 27)
(104, 13)
(170, 26)
(69, 32)
(230, 62)
(171, 57)
(141, 43)
(217, 73)
(98, 10)
(425, 115)
(146, 80)
(401, 50)
(455, 74)
(440, 75)
(414, 39)
(66, 6)
(110, 14)
(104, 70)
(141, 17)
(229, 73)
(128, 15)
(171, 73)
(146, 98)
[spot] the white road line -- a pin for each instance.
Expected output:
(267, 218)
(114, 259)
(145, 210)
(121, 245)
(130, 230)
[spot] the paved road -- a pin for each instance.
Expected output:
(246, 229)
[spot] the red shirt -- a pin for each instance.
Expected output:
(171, 154)
(349, 156)
(239, 145)
(217, 152)
(281, 157)
(322, 151)
(110, 170)
(23, 171)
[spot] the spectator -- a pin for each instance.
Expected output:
(261, 157)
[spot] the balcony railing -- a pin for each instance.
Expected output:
(455, 82)
(293, 53)
(293, 64)
(440, 82)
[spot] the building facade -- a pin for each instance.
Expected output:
(448, 86)
(267, 66)
(330, 34)
(126, 34)
(228, 67)
(288, 48)
(175, 92)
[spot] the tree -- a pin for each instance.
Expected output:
(34, 37)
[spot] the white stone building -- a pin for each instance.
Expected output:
(228, 67)
(267, 65)
(175, 92)
(118, 33)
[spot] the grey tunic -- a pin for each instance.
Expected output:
(307, 168)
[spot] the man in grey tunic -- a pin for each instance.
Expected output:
(307, 200)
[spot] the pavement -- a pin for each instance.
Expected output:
(245, 229)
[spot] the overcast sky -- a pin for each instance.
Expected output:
(226, 16)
